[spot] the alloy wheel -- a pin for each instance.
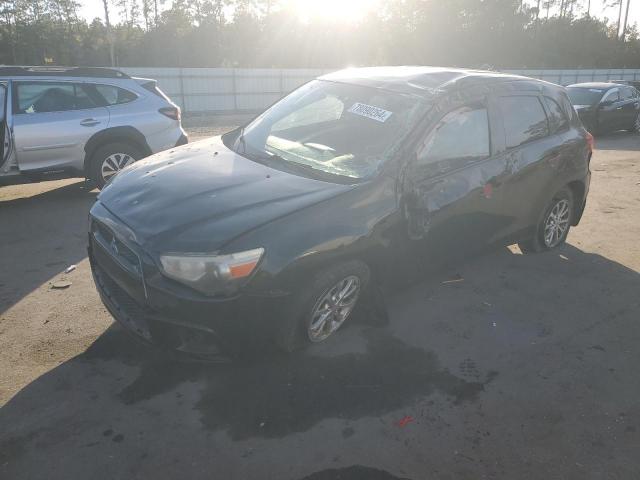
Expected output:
(114, 163)
(333, 307)
(556, 223)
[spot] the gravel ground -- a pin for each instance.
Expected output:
(526, 369)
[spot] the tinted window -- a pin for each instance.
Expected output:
(611, 96)
(115, 95)
(626, 93)
(83, 100)
(41, 97)
(524, 119)
(461, 137)
(45, 97)
(585, 96)
(558, 121)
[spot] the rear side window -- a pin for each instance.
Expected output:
(627, 93)
(113, 95)
(42, 97)
(524, 119)
(611, 96)
(460, 138)
(558, 121)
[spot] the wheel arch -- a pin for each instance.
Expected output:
(123, 134)
(577, 188)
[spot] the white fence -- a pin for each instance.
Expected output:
(231, 90)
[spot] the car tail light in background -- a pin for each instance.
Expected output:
(171, 112)
(591, 142)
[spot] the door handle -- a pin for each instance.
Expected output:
(619, 108)
(89, 122)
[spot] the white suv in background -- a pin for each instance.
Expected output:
(88, 122)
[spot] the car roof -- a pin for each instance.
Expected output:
(425, 81)
(48, 71)
(602, 85)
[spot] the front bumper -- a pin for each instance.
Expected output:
(171, 316)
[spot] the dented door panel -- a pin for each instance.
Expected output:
(461, 209)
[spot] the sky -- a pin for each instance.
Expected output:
(351, 10)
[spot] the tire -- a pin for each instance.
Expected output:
(112, 157)
(296, 330)
(556, 219)
(636, 125)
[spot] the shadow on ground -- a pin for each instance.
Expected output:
(52, 235)
(544, 328)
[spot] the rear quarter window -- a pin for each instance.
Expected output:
(558, 120)
(113, 95)
(524, 119)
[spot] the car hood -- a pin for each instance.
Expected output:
(199, 197)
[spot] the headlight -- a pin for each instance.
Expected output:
(211, 274)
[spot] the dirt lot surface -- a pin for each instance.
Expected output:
(526, 369)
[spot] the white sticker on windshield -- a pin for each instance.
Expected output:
(595, 90)
(369, 111)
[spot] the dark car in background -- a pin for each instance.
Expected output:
(606, 107)
(278, 229)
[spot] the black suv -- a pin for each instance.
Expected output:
(280, 226)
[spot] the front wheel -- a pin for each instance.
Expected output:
(110, 159)
(318, 312)
(553, 228)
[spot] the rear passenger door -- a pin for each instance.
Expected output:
(629, 104)
(610, 112)
(52, 122)
(534, 151)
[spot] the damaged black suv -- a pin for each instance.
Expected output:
(278, 228)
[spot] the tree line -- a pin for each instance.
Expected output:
(267, 33)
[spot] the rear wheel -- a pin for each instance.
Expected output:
(324, 307)
(554, 225)
(108, 160)
(636, 125)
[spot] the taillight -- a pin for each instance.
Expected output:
(591, 142)
(171, 112)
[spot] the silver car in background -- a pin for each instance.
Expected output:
(89, 122)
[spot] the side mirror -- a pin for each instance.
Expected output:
(606, 103)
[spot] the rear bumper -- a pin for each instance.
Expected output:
(583, 201)
(183, 140)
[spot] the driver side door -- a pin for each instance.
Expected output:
(52, 121)
(6, 143)
(453, 187)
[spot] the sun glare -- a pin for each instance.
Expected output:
(340, 10)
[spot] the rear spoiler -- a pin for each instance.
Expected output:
(145, 81)
(152, 86)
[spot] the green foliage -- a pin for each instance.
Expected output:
(264, 33)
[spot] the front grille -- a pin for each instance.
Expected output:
(129, 312)
(116, 247)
